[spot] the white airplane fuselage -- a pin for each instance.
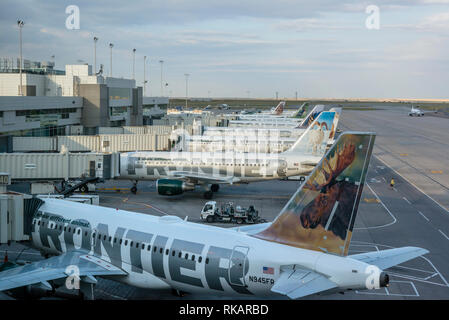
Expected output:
(244, 167)
(164, 252)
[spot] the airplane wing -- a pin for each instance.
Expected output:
(56, 268)
(388, 258)
(198, 178)
(299, 283)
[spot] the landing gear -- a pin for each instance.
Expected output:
(134, 187)
(178, 293)
(208, 195)
(214, 187)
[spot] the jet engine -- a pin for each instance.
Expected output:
(170, 187)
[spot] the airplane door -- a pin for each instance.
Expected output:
(93, 239)
(238, 266)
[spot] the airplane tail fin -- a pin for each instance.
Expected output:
(314, 140)
(298, 113)
(311, 116)
(279, 108)
(337, 111)
(321, 214)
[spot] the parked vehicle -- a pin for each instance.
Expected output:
(227, 212)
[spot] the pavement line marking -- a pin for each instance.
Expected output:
(444, 235)
(438, 271)
(422, 214)
(440, 205)
(406, 200)
(389, 212)
(390, 247)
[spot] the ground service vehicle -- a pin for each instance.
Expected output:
(229, 213)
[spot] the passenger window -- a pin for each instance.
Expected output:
(173, 253)
(126, 242)
(186, 256)
(70, 229)
(148, 248)
(207, 260)
(79, 231)
(154, 249)
(200, 258)
(179, 255)
(104, 238)
(115, 240)
(143, 246)
(99, 236)
(160, 250)
(85, 234)
(193, 257)
(110, 238)
(131, 243)
(166, 251)
(120, 242)
(137, 244)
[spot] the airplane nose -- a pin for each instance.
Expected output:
(384, 280)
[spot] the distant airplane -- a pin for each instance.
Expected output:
(278, 109)
(177, 172)
(252, 141)
(295, 116)
(303, 252)
(415, 112)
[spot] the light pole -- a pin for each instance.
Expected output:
(144, 81)
(95, 55)
(20, 24)
(187, 81)
(296, 95)
(111, 45)
(161, 62)
(134, 60)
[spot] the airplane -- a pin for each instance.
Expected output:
(303, 252)
(176, 172)
(295, 115)
(276, 122)
(250, 141)
(278, 109)
(266, 130)
(415, 112)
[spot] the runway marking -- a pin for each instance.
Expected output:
(444, 235)
(406, 200)
(446, 284)
(437, 171)
(441, 206)
(388, 293)
(389, 212)
(403, 154)
(422, 214)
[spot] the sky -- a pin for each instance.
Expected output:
(253, 48)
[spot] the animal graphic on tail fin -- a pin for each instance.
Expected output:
(321, 214)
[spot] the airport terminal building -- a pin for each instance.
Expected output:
(50, 101)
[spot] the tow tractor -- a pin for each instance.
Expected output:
(229, 213)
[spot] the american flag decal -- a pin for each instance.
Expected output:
(268, 270)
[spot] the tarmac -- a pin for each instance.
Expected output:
(411, 150)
